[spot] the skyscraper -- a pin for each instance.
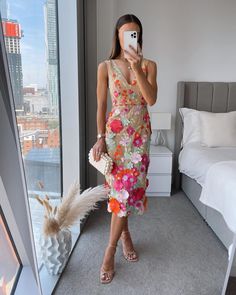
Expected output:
(12, 35)
(51, 50)
(3, 9)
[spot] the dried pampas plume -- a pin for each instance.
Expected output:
(73, 206)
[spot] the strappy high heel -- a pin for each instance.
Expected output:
(128, 255)
(106, 276)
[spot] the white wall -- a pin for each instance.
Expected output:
(191, 40)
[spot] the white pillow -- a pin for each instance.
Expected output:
(191, 128)
(218, 129)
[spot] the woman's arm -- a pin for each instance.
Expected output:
(148, 86)
(102, 83)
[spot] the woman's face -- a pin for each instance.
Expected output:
(127, 27)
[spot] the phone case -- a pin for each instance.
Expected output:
(130, 37)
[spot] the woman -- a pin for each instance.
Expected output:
(125, 135)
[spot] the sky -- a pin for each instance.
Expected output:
(30, 15)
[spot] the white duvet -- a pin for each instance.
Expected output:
(215, 170)
(219, 191)
(195, 160)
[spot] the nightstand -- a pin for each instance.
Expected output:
(159, 172)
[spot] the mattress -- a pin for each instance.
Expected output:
(194, 160)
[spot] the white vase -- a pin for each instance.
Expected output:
(55, 250)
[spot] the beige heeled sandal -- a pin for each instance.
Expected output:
(106, 276)
(128, 255)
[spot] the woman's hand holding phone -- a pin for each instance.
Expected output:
(135, 58)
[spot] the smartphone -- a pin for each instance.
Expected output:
(130, 37)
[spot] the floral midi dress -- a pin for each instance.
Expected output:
(127, 137)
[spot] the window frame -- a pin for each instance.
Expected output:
(71, 83)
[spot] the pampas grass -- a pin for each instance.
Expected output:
(74, 206)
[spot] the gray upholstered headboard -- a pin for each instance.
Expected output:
(216, 97)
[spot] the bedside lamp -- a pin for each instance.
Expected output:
(159, 122)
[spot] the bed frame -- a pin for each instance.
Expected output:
(213, 97)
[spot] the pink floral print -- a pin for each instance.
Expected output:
(128, 134)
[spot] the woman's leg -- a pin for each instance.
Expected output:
(125, 227)
(116, 227)
(127, 241)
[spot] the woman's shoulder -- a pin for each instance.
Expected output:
(149, 62)
(106, 61)
(103, 68)
(150, 65)
(103, 62)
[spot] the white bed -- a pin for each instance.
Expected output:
(195, 160)
(196, 167)
(215, 170)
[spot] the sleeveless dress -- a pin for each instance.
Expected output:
(127, 136)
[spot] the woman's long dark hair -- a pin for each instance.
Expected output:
(124, 19)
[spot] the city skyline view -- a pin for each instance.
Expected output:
(33, 49)
(30, 37)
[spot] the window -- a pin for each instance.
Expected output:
(40, 118)
(30, 35)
